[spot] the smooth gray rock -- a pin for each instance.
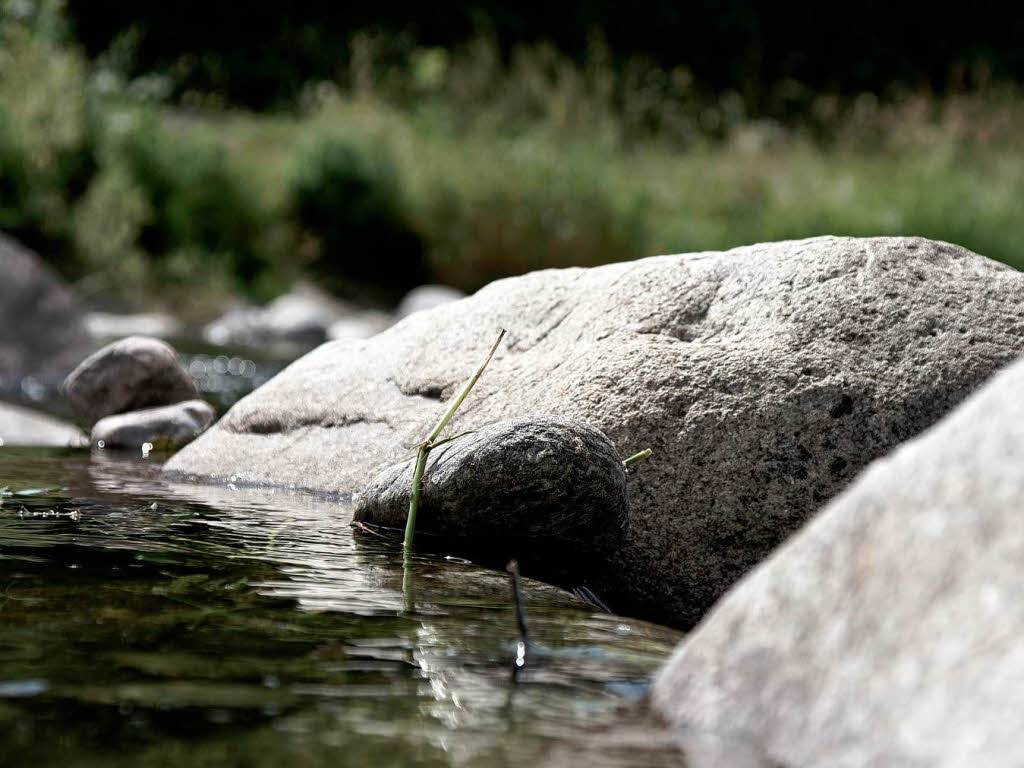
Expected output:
(305, 314)
(301, 317)
(427, 297)
(888, 631)
(40, 317)
(238, 325)
(763, 378)
(133, 373)
(165, 427)
(24, 426)
(541, 477)
(362, 325)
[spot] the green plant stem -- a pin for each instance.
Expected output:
(645, 453)
(414, 499)
(426, 445)
(439, 443)
(465, 391)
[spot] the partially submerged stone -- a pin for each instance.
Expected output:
(764, 378)
(24, 426)
(133, 373)
(164, 428)
(541, 478)
(888, 631)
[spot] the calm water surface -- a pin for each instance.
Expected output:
(146, 623)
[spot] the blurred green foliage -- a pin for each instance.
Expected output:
(196, 200)
(93, 177)
(463, 165)
(348, 198)
(47, 138)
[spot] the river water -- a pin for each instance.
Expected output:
(147, 623)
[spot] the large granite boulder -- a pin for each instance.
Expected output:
(133, 373)
(534, 481)
(888, 631)
(764, 378)
(40, 317)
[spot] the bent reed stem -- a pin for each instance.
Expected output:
(426, 445)
(645, 453)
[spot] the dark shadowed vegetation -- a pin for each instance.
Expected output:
(778, 57)
(398, 154)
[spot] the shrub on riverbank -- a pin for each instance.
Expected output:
(453, 166)
(349, 201)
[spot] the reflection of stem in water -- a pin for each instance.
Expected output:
(520, 661)
(272, 541)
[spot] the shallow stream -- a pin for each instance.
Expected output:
(145, 623)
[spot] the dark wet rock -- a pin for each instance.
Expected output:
(542, 477)
(133, 373)
(24, 426)
(888, 631)
(301, 317)
(165, 427)
(427, 297)
(40, 317)
(361, 325)
(763, 378)
(107, 326)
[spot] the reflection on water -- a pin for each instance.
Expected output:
(147, 623)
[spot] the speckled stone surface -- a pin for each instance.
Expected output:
(133, 373)
(544, 477)
(764, 378)
(888, 631)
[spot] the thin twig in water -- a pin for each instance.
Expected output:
(524, 639)
(426, 445)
